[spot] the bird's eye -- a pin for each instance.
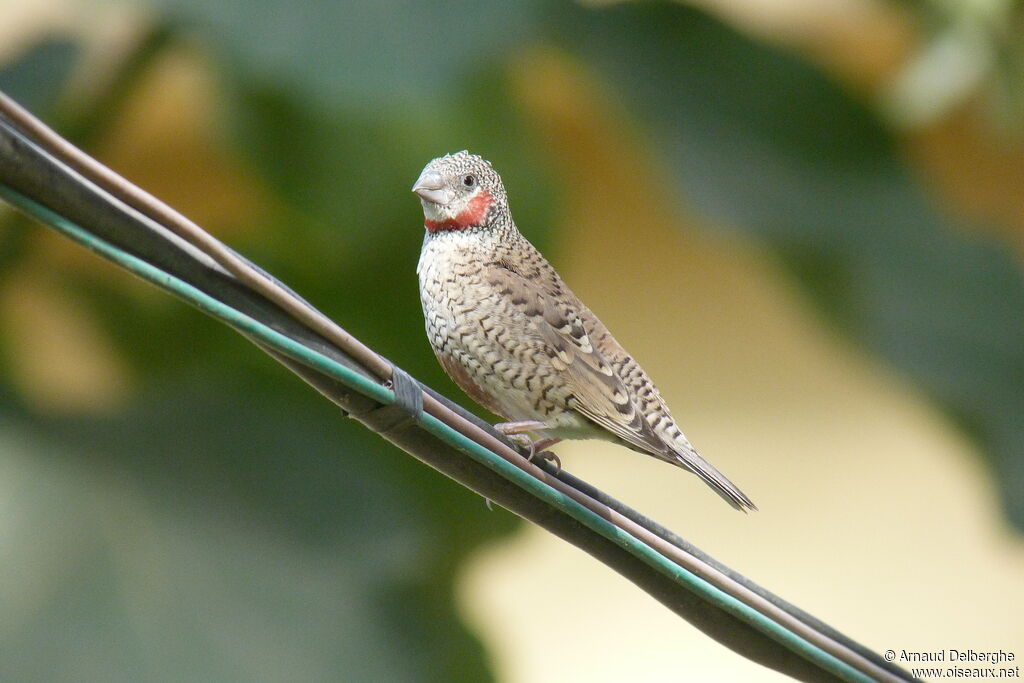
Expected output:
(469, 180)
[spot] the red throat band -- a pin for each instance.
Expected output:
(473, 214)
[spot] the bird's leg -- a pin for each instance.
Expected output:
(520, 427)
(518, 432)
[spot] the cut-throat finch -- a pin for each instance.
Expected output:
(515, 338)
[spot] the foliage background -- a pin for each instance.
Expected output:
(803, 220)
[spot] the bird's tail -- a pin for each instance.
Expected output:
(685, 456)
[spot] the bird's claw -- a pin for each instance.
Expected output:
(548, 456)
(537, 451)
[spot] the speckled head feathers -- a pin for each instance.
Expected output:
(459, 191)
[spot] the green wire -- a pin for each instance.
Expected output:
(371, 389)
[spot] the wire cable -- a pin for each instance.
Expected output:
(51, 181)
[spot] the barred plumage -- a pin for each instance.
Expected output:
(513, 336)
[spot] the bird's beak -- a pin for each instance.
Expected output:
(430, 187)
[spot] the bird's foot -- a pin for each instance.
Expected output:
(517, 432)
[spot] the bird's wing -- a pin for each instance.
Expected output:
(599, 393)
(588, 366)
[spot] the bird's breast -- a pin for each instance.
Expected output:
(484, 340)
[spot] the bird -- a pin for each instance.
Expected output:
(513, 336)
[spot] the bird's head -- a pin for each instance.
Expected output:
(459, 191)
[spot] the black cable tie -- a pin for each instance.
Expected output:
(408, 394)
(404, 411)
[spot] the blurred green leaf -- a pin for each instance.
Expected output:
(361, 54)
(37, 78)
(767, 144)
(968, 52)
(229, 529)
